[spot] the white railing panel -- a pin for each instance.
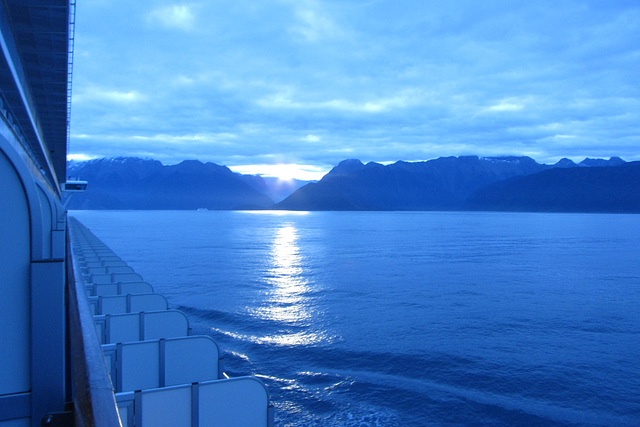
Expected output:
(165, 324)
(96, 270)
(147, 302)
(111, 305)
(127, 327)
(122, 328)
(140, 366)
(126, 277)
(167, 407)
(234, 402)
(116, 304)
(100, 278)
(190, 359)
(135, 288)
(119, 288)
(119, 269)
(103, 290)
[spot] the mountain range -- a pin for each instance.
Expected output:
(446, 183)
(133, 183)
(474, 183)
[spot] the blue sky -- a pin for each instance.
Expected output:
(254, 84)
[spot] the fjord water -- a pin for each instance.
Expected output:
(407, 318)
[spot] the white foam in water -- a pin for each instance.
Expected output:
(353, 415)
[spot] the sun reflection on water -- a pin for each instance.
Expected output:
(288, 302)
(289, 299)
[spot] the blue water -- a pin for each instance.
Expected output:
(407, 318)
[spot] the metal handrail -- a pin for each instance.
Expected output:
(92, 390)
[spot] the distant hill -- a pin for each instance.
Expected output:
(132, 183)
(612, 189)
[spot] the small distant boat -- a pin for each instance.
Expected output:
(202, 209)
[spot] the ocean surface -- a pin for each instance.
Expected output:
(407, 318)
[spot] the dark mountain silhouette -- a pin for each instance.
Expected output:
(439, 184)
(131, 183)
(612, 189)
(613, 161)
(470, 182)
(447, 183)
(565, 163)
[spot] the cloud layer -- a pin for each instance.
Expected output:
(313, 82)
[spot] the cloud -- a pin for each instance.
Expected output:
(506, 106)
(96, 94)
(316, 81)
(311, 138)
(313, 22)
(285, 100)
(176, 16)
(206, 139)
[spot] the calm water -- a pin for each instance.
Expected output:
(405, 318)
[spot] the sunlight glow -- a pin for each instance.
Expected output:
(277, 212)
(80, 157)
(283, 171)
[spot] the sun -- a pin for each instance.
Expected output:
(285, 172)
